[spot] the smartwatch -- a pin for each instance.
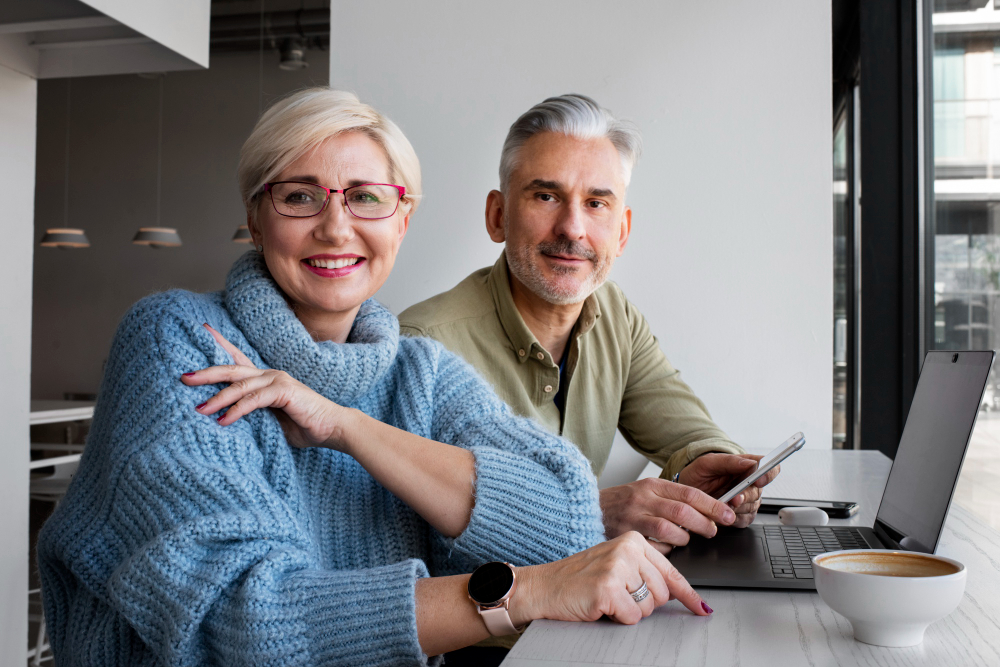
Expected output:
(490, 588)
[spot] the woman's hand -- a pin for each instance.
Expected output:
(435, 479)
(598, 582)
(307, 418)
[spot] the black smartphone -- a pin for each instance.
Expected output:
(835, 508)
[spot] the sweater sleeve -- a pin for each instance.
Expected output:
(188, 532)
(536, 497)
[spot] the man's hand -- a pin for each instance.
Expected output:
(662, 510)
(717, 473)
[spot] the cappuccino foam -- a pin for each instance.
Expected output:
(889, 564)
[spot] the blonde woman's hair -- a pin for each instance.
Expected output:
(300, 121)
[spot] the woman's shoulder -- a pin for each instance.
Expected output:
(175, 302)
(163, 316)
(430, 355)
(442, 370)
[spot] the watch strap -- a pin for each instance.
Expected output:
(497, 621)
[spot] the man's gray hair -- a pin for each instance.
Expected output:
(574, 115)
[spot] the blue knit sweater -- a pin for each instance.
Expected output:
(182, 542)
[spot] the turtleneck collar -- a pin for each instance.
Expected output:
(341, 372)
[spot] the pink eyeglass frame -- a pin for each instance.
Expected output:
(329, 196)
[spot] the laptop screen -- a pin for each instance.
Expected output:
(937, 431)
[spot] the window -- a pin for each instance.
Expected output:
(963, 291)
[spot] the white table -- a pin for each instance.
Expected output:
(52, 412)
(773, 627)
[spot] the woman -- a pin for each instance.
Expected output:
(193, 534)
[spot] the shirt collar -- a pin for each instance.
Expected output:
(525, 344)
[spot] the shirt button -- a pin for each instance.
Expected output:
(540, 355)
(520, 353)
(548, 389)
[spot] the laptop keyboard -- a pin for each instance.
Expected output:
(792, 547)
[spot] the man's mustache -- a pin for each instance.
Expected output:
(566, 247)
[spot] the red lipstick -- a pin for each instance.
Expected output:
(334, 272)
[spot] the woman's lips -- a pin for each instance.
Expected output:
(333, 272)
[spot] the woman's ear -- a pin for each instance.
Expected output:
(404, 224)
(255, 235)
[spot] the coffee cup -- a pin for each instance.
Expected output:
(890, 597)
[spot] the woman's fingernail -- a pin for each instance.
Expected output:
(187, 375)
(200, 405)
(220, 419)
(708, 610)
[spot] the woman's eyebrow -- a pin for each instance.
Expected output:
(304, 178)
(309, 178)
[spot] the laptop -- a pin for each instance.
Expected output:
(914, 503)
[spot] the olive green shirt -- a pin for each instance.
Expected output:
(618, 377)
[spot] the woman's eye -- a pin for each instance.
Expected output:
(299, 197)
(363, 197)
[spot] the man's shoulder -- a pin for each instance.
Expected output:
(466, 302)
(616, 309)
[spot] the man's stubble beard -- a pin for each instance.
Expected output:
(523, 263)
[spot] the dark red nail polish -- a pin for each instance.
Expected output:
(220, 419)
(200, 405)
(187, 375)
(706, 607)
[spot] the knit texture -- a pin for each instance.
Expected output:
(183, 542)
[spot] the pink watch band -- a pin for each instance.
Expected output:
(497, 621)
(487, 583)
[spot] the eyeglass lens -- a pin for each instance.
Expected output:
(302, 200)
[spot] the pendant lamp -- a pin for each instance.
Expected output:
(158, 237)
(64, 237)
(242, 235)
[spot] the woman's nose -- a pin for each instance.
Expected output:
(336, 224)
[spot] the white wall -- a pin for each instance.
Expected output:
(731, 250)
(17, 173)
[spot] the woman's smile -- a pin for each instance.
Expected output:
(334, 266)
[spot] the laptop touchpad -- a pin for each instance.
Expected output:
(728, 546)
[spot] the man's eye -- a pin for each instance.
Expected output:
(596, 204)
(544, 196)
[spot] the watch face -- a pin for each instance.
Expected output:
(490, 582)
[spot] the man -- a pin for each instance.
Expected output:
(566, 348)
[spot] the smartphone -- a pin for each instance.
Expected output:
(835, 508)
(776, 456)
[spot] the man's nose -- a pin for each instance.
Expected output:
(336, 223)
(570, 223)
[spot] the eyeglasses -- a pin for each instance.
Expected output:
(368, 201)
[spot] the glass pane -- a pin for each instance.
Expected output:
(965, 245)
(840, 221)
